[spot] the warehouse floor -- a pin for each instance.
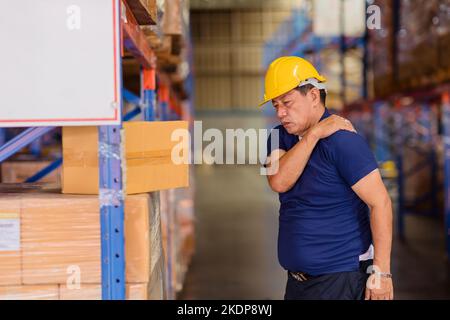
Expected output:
(237, 225)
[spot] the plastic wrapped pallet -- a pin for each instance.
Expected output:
(169, 240)
(380, 47)
(418, 50)
(443, 31)
(54, 239)
(156, 286)
(177, 221)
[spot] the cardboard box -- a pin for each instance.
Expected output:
(10, 254)
(137, 291)
(147, 152)
(63, 231)
(60, 238)
(85, 292)
(44, 292)
(20, 171)
(133, 291)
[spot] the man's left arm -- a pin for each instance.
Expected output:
(372, 191)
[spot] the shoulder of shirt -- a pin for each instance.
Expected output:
(344, 138)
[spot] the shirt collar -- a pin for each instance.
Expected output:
(325, 114)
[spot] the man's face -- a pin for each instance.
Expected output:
(295, 111)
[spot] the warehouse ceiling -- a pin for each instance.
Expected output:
(243, 4)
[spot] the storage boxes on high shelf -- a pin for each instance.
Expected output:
(423, 41)
(418, 44)
(380, 47)
(50, 242)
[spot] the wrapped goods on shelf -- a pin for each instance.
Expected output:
(147, 157)
(443, 31)
(157, 284)
(55, 238)
(177, 221)
(169, 234)
(330, 64)
(145, 11)
(418, 50)
(381, 53)
(172, 19)
(20, 171)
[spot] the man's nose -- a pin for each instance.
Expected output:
(281, 112)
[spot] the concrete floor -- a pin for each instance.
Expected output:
(237, 225)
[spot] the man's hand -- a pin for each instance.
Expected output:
(372, 191)
(379, 288)
(330, 125)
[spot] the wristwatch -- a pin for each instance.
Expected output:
(381, 274)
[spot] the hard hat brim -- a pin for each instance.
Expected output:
(319, 78)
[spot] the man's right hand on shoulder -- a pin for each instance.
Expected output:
(330, 125)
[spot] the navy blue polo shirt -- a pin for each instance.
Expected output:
(323, 225)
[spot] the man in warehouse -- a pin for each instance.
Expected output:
(335, 214)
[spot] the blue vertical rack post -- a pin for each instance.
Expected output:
(2, 136)
(111, 197)
(163, 96)
(149, 93)
(382, 147)
(112, 213)
(398, 142)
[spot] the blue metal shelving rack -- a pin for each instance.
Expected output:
(110, 170)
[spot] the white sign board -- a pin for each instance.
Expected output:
(60, 63)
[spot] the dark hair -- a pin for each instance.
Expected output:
(307, 87)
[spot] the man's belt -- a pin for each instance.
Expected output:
(301, 276)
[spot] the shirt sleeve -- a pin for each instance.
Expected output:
(279, 143)
(276, 143)
(353, 157)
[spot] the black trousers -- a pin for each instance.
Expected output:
(333, 286)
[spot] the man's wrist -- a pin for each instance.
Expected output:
(382, 266)
(312, 135)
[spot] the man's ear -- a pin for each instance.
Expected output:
(315, 96)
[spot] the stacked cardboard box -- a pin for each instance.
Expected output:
(50, 246)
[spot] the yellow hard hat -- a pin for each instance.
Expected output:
(287, 73)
